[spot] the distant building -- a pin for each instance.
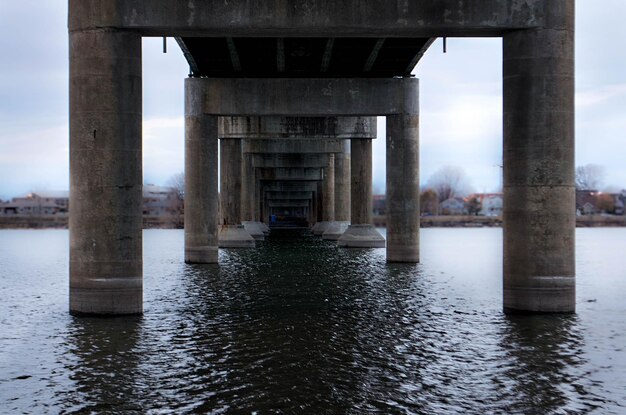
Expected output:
(45, 203)
(379, 203)
(159, 200)
(453, 206)
(491, 203)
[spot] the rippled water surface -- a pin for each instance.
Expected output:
(300, 326)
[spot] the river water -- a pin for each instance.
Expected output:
(300, 326)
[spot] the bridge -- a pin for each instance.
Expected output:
(290, 91)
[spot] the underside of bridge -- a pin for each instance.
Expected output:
(302, 57)
(287, 93)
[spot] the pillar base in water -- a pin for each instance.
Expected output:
(235, 236)
(335, 229)
(107, 297)
(361, 236)
(255, 230)
(320, 227)
(201, 255)
(541, 295)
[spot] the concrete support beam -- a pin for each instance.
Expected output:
(308, 97)
(297, 127)
(539, 196)
(314, 18)
(292, 173)
(299, 146)
(289, 195)
(288, 186)
(403, 212)
(282, 160)
(106, 268)
(287, 203)
(201, 195)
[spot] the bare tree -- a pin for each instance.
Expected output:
(177, 183)
(449, 182)
(177, 186)
(429, 202)
(589, 177)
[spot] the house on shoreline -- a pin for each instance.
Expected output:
(158, 201)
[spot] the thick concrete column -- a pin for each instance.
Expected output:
(247, 188)
(258, 195)
(106, 269)
(361, 233)
(342, 184)
(232, 233)
(539, 196)
(403, 212)
(230, 190)
(361, 182)
(328, 198)
(201, 197)
(328, 208)
(342, 195)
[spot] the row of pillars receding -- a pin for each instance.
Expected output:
(106, 268)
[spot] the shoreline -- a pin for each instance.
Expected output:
(174, 222)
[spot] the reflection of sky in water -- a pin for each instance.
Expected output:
(309, 327)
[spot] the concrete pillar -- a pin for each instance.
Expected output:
(361, 233)
(201, 196)
(247, 188)
(403, 212)
(539, 195)
(256, 203)
(342, 184)
(328, 208)
(106, 276)
(361, 182)
(328, 198)
(342, 195)
(232, 233)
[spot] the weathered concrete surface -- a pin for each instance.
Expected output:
(232, 234)
(255, 230)
(281, 160)
(247, 187)
(201, 195)
(361, 182)
(289, 195)
(316, 18)
(539, 197)
(342, 184)
(297, 127)
(305, 97)
(295, 146)
(288, 186)
(403, 187)
(291, 173)
(320, 227)
(335, 229)
(361, 236)
(106, 268)
(235, 236)
(328, 191)
(287, 203)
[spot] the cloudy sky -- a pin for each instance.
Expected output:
(461, 101)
